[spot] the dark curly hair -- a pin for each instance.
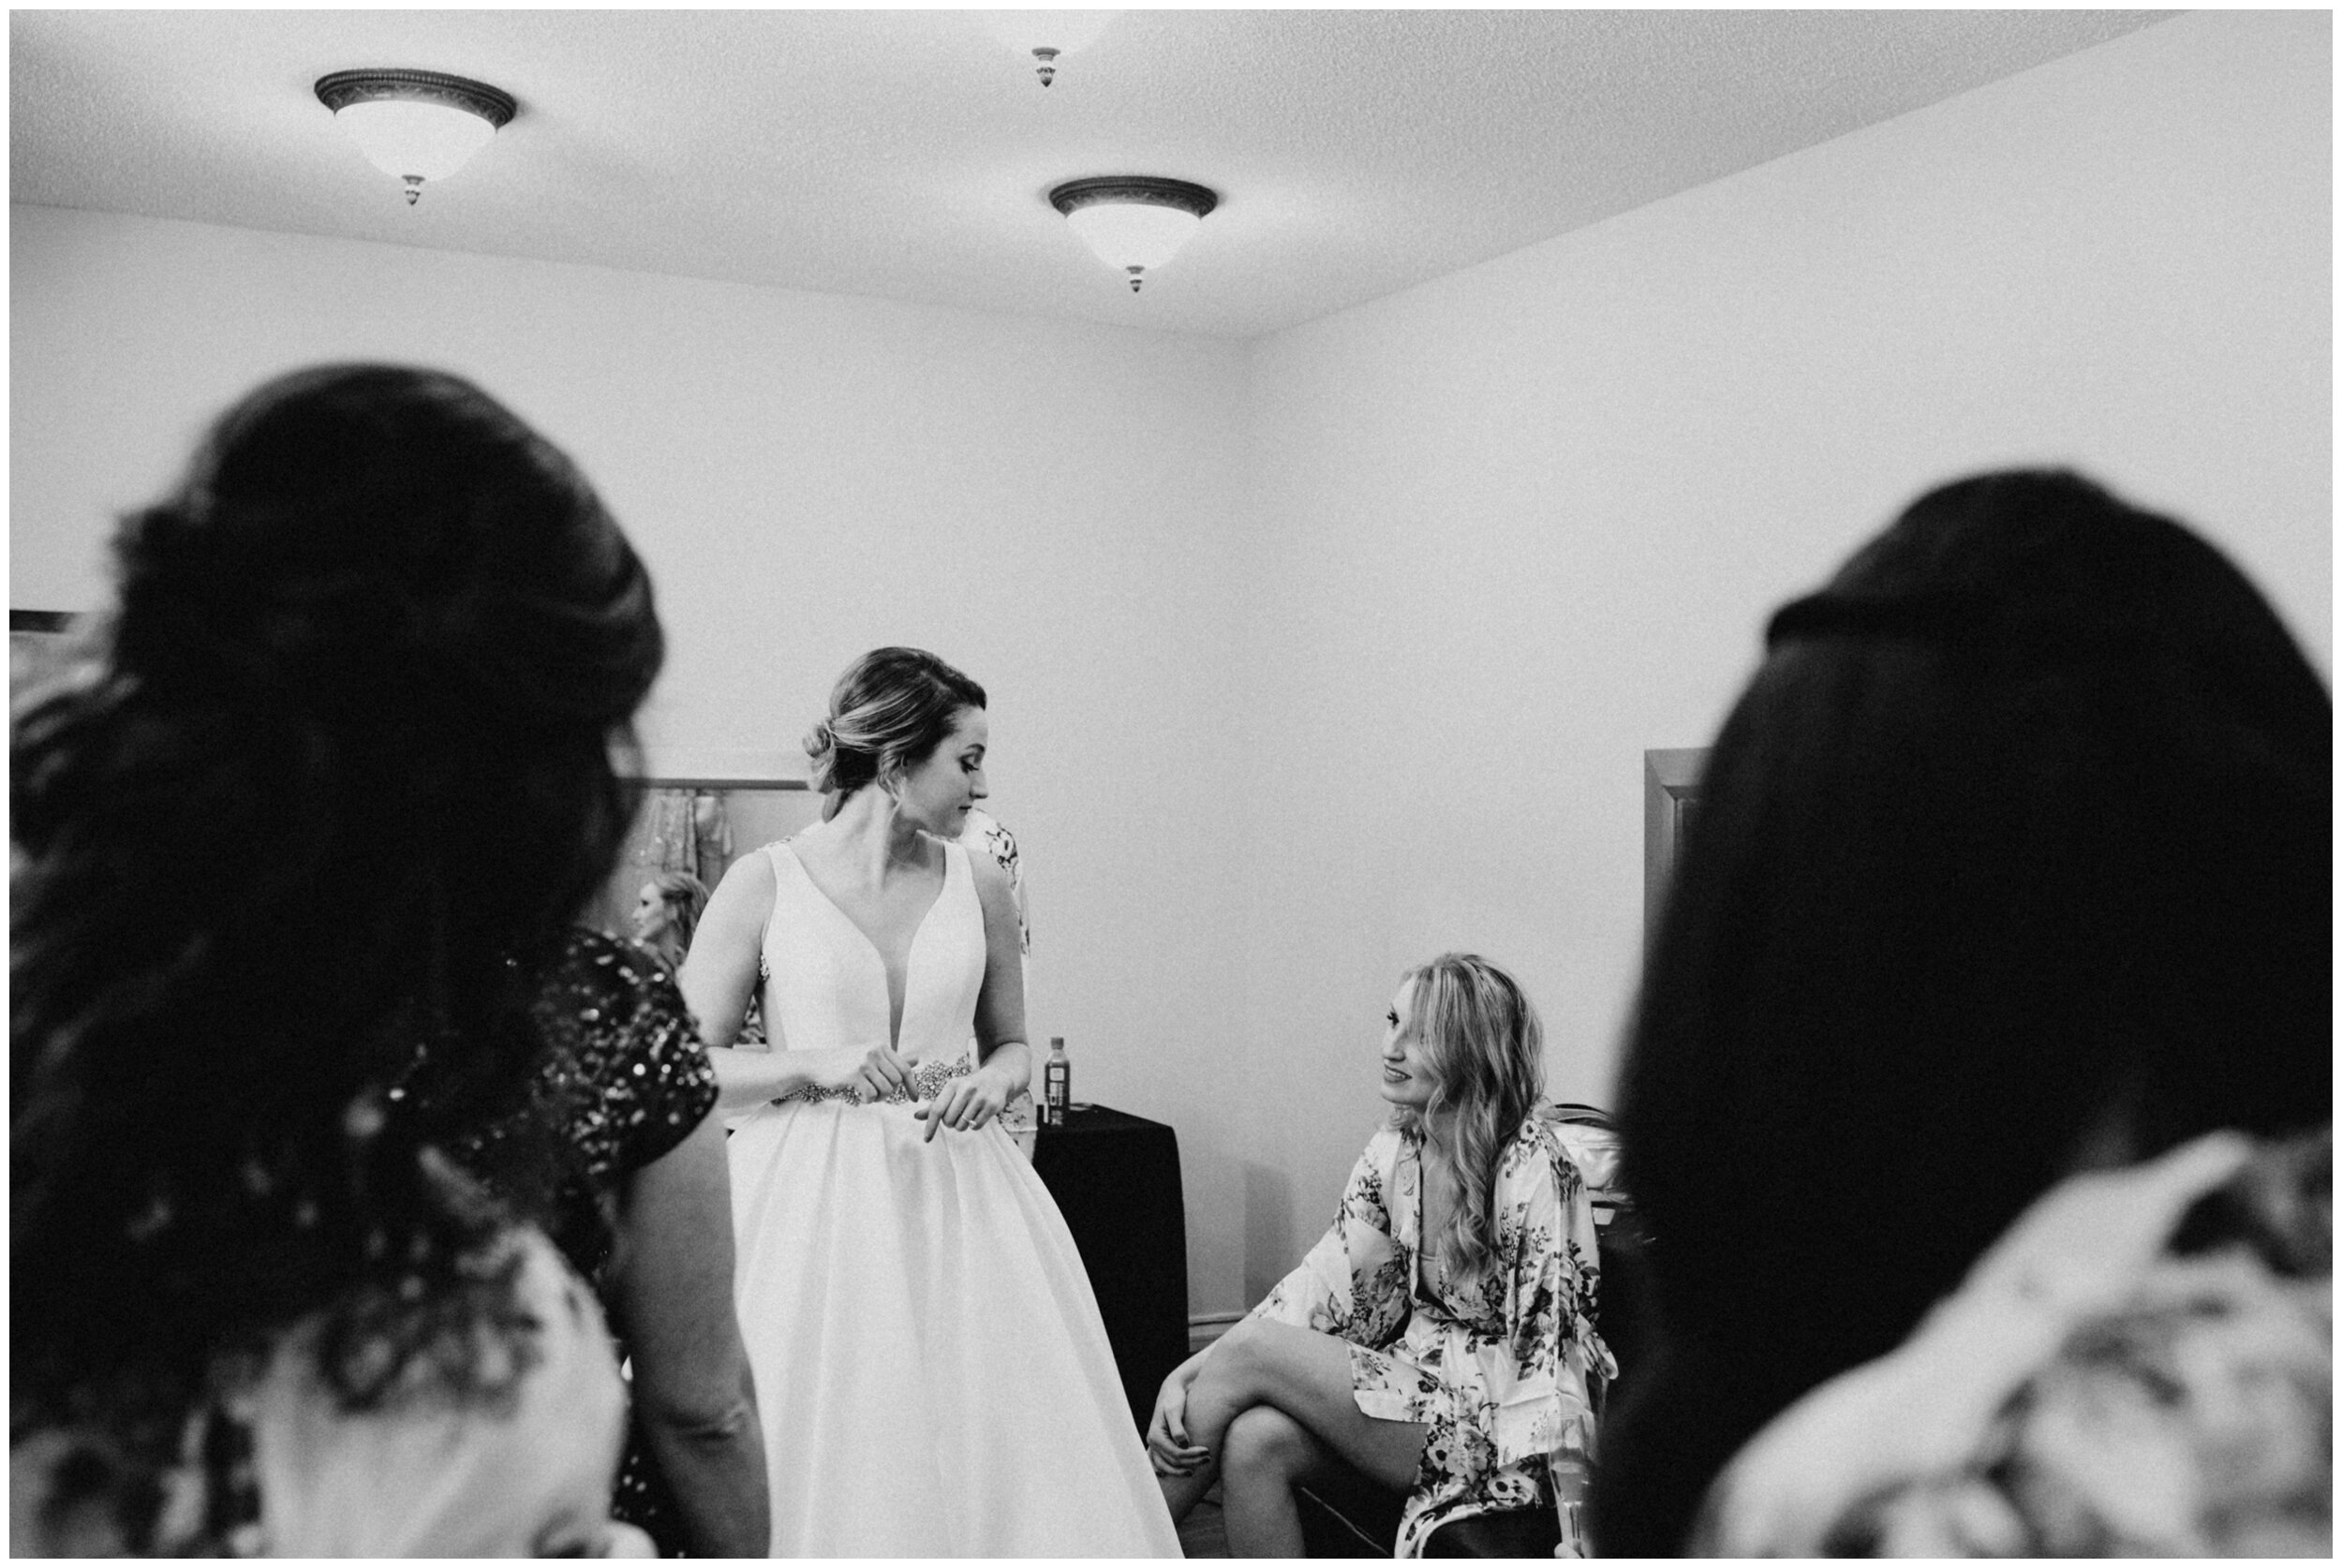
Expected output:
(293, 844)
(2019, 842)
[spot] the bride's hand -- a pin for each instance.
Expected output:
(872, 1072)
(967, 1103)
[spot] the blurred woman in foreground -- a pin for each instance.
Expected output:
(1986, 1047)
(296, 843)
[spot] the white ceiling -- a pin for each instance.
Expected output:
(908, 153)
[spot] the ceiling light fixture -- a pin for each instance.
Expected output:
(415, 125)
(1047, 35)
(1132, 221)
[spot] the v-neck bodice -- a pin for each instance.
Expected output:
(825, 980)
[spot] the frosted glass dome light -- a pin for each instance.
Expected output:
(1133, 221)
(1126, 234)
(415, 125)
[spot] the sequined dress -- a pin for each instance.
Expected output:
(623, 1080)
(273, 1465)
(931, 1368)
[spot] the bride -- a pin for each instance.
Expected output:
(934, 1377)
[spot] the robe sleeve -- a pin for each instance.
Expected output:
(1353, 1284)
(1543, 1376)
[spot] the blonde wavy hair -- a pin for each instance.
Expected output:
(685, 897)
(1485, 1049)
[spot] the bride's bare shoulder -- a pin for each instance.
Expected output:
(746, 886)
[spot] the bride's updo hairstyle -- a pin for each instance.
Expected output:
(892, 709)
(332, 781)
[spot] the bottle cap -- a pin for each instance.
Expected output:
(1056, 1043)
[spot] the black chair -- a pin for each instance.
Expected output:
(1349, 1515)
(1624, 1315)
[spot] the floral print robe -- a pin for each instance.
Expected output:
(1504, 1370)
(2143, 1366)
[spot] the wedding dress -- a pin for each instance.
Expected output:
(933, 1374)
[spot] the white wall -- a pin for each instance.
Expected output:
(1529, 517)
(1052, 506)
(1312, 656)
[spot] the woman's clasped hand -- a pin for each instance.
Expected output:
(970, 1101)
(868, 1073)
(1167, 1442)
(875, 1072)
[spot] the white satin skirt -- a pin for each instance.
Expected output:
(932, 1373)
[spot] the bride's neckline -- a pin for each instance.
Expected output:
(896, 1001)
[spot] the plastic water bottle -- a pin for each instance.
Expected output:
(1057, 1083)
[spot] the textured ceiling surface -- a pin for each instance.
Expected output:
(908, 155)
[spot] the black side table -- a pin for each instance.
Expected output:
(1115, 1179)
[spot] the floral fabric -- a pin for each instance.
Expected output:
(1503, 1369)
(2141, 1367)
(986, 834)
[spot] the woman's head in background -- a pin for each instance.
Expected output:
(888, 713)
(2014, 855)
(1465, 1054)
(289, 846)
(667, 911)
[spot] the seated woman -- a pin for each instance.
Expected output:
(1440, 1337)
(294, 843)
(1995, 981)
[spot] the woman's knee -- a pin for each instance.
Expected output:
(1240, 1341)
(1235, 1365)
(1264, 1439)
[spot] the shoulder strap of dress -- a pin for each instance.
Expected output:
(784, 860)
(958, 854)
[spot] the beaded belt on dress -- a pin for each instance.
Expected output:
(925, 1079)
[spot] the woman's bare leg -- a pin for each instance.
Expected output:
(1268, 1455)
(1305, 1376)
(1181, 1493)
